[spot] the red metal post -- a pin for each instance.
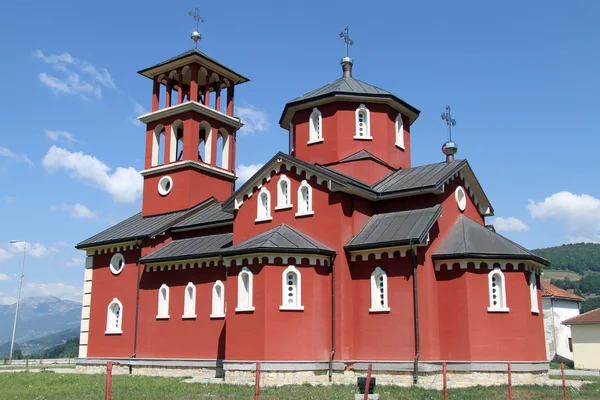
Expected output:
(564, 384)
(257, 383)
(509, 383)
(368, 381)
(445, 382)
(109, 366)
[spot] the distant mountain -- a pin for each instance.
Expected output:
(578, 257)
(38, 317)
(51, 346)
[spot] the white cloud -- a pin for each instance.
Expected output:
(123, 184)
(71, 81)
(75, 262)
(138, 110)
(57, 289)
(7, 300)
(57, 135)
(36, 250)
(254, 120)
(77, 210)
(245, 172)
(5, 256)
(510, 224)
(8, 153)
(4, 277)
(579, 213)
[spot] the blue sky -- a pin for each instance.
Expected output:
(521, 78)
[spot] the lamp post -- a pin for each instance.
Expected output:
(12, 342)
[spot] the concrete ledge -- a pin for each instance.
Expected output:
(454, 366)
(280, 365)
(150, 362)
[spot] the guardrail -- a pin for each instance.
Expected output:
(38, 362)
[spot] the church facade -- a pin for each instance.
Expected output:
(335, 254)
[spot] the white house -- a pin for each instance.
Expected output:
(559, 305)
(586, 339)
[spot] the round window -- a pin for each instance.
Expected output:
(461, 198)
(117, 262)
(165, 184)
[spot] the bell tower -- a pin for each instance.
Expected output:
(190, 132)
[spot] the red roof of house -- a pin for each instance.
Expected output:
(590, 317)
(549, 290)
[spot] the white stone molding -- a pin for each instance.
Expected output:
(114, 318)
(110, 248)
(183, 264)
(85, 310)
(195, 107)
(203, 166)
(378, 253)
(478, 263)
(295, 289)
(269, 258)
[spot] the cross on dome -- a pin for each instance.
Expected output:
(196, 36)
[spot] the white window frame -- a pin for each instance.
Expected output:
(114, 262)
(248, 306)
(163, 303)
(113, 324)
(189, 304)
(399, 132)
(291, 138)
(315, 135)
(297, 305)
(460, 195)
(284, 202)
(259, 214)
(376, 305)
(301, 203)
(501, 306)
(367, 136)
(533, 292)
(218, 302)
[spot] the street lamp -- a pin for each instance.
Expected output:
(12, 342)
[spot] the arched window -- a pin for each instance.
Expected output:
(158, 146)
(533, 292)
(176, 148)
(117, 262)
(315, 128)
(163, 302)
(304, 200)
(379, 291)
(244, 290)
(497, 291)
(399, 132)
(189, 301)
(284, 196)
(363, 123)
(218, 300)
(263, 205)
(291, 289)
(206, 142)
(219, 160)
(114, 317)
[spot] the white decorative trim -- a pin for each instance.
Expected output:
(315, 128)
(269, 258)
(188, 316)
(114, 323)
(163, 302)
(500, 291)
(191, 106)
(162, 185)
(379, 310)
(533, 292)
(399, 133)
(110, 248)
(218, 300)
(263, 211)
(378, 289)
(306, 214)
(284, 201)
(113, 332)
(285, 289)
(381, 251)
(284, 207)
(315, 141)
(263, 219)
(245, 294)
(499, 310)
(189, 305)
(187, 164)
(479, 263)
(115, 261)
(183, 264)
(217, 316)
(308, 203)
(163, 317)
(461, 198)
(367, 123)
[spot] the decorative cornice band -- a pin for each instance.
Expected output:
(187, 164)
(191, 106)
(515, 265)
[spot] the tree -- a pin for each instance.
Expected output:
(17, 354)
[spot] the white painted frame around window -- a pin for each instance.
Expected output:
(379, 291)
(114, 318)
(189, 302)
(163, 302)
(362, 111)
(218, 301)
(497, 287)
(291, 291)
(533, 292)
(315, 129)
(263, 205)
(399, 132)
(245, 284)
(284, 199)
(305, 206)
(117, 264)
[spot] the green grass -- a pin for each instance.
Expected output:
(560, 274)
(54, 386)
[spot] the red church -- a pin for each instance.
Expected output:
(334, 255)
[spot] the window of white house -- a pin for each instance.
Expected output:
(497, 291)
(284, 197)
(363, 123)
(117, 262)
(379, 291)
(315, 128)
(304, 200)
(291, 289)
(114, 317)
(244, 291)
(263, 205)
(218, 300)
(533, 292)
(399, 132)
(189, 301)
(163, 302)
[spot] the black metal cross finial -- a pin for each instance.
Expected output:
(345, 34)
(196, 15)
(446, 116)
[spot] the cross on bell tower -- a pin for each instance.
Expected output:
(449, 148)
(347, 61)
(196, 36)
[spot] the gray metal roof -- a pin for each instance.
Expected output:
(210, 214)
(343, 85)
(419, 178)
(468, 239)
(396, 229)
(281, 239)
(363, 155)
(136, 227)
(197, 247)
